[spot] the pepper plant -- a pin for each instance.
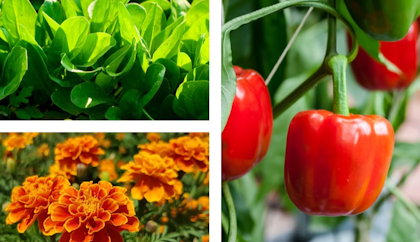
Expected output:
(316, 164)
(104, 59)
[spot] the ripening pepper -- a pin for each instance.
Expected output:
(374, 75)
(336, 165)
(246, 137)
(386, 20)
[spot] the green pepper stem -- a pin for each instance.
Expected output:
(337, 65)
(311, 82)
(232, 213)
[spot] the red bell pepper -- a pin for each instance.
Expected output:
(336, 165)
(374, 75)
(247, 134)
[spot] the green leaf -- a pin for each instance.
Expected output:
(124, 57)
(53, 26)
(154, 78)
(95, 46)
(197, 11)
(69, 38)
(62, 99)
(192, 100)
(138, 13)
(87, 95)
(22, 114)
(68, 8)
(85, 75)
(183, 61)
(127, 27)
(100, 15)
(12, 11)
(166, 110)
(53, 9)
(153, 23)
(179, 8)
(33, 112)
(404, 225)
(37, 73)
(172, 73)
(165, 33)
(131, 104)
(84, 6)
(17, 100)
(198, 49)
(170, 47)
(13, 71)
(201, 73)
(114, 113)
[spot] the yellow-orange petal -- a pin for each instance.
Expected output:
(72, 224)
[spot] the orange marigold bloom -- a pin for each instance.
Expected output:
(191, 153)
(153, 137)
(19, 141)
(106, 143)
(122, 150)
(31, 201)
(164, 219)
(155, 177)
(108, 166)
(77, 150)
(43, 150)
(157, 147)
(119, 136)
(202, 206)
(95, 213)
(205, 238)
(207, 179)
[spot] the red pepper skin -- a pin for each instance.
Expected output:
(247, 135)
(336, 165)
(373, 75)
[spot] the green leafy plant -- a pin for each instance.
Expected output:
(104, 59)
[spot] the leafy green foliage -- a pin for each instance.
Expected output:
(102, 52)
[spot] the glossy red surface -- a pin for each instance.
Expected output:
(373, 75)
(337, 165)
(246, 137)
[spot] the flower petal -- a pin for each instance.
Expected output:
(118, 219)
(72, 224)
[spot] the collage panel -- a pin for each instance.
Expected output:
(133, 187)
(104, 60)
(320, 121)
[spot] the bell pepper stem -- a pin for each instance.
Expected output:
(337, 65)
(232, 213)
(311, 82)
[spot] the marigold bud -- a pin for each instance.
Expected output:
(11, 165)
(76, 185)
(151, 226)
(104, 176)
(4, 206)
(81, 171)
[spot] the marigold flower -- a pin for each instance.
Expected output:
(200, 206)
(19, 141)
(43, 150)
(95, 213)
(164, 219)
(155, 177)
(31, 201)
(205, 238)
(207, 179)
(108, 166)
(191, 153)
(153, 137)
(157, 147)
(119, 136)
(77, 150)
(122, 150)
(106, 143)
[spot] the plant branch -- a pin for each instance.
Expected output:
(288, 101)
(232, 213)
(289, 45)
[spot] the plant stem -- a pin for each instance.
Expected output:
(289, 45)
(225, 223)
(362, 228)
(52, 238)
(232, 213)
(338, 65)
(300, 91)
